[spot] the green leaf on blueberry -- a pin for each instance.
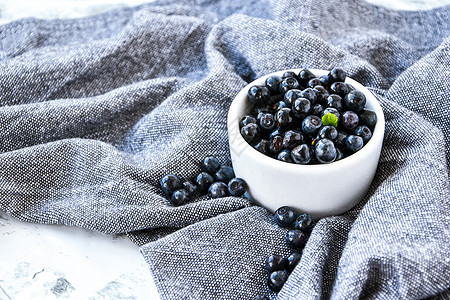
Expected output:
(330, 119)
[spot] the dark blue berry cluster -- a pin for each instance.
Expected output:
(216, 180)
(302, 119)
(300, 227)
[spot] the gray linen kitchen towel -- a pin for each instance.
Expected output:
(94, 111)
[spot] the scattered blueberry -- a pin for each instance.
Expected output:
(328, 132)
(284, 117)
(304, 223)
(170, 183)
(277, 280)
(339, 88)
(325, 151)
(292, 138)
(337, 75)
(285, 216)
(304, 76)
(218, 190)
(287, 84)
(291, 95)
(301, 154)
(272, 83)
(250, 133)
(247, 120)
(311, 125)
(210, 164)
(321, 94)
(301, 107)
(296, 238)
(368, 118)
(203, 181)
(266, 122)
(309, 94)
(293, 260)
(364, 132)
(354, 143)
(355, 101)
(276, 262)
(237, 187)
(335, 101)
(285, 155)
(224, 174)
(179, 197)
(349, 120)
(276, 144)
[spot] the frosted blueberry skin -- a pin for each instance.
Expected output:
(284, 117)
(288, 74)
(339, 88)
(276, 144)
(285, 216)
(349, 120)
(325, 151)
(292, 138)
(258, 95)
(301, 107)
(368, 118)
(313, 82)
(218, 190)
(266, 122)
(285, 155)
(170, 183)
(272, 83)
(263, 147)
(317, 110)
(337, 75)
(210, 164)
(328, 132)
(309, 94)
(296, 238)
(321, 94)
(291, 95)
(335, 101)
(333, 111)
(276, 262)
(237, 187)
(247, 120)
(304, 76)
(301, 154)
(190, 188)
(179, 197)
(276, 280)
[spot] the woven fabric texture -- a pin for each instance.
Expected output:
(94, 111)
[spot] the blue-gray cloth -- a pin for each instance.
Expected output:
(94, 111)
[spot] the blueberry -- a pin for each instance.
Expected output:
(368, 118)
(304, 223)
(279, 105)
(288, 74)
(210, 164)
(325, 151)
(276, 144)
(292, 138)
(328, 132)
(237, 187)
(309, 94)
(317, 110)
(272, 83)
(341, 137)
(301, 154)
(251, 133)
(321, 94)
(337, 74)
(285, 155)
(314, 82)
(203, 181)
(179, 197)
(293, 260)
(284, 117)
(285, 216)
(335, 101)
(218, 190)
(291, 95)
(263, 147)
(266, 122)
(364, 132)
(170, 183)
(287, 84)
(349, 120)
(260, 111)
(296, 238)
(311, 125)
(247, 120)
(355, 101)
(190, 187)
(354, 143)
(258, 95)
(325, 80)
(276, 262)
(276, 280)
(301, 107)
(304, 76)
(339, 88)
(275, 132)
(224, 174)
(333, 111)
(339, 154)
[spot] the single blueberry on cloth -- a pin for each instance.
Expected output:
(96, 110)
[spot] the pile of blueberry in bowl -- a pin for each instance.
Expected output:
(306, 138)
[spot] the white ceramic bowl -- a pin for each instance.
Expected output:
(319, 190)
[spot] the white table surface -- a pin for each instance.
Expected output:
(57, 262)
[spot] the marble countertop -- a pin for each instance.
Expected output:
(58, 262)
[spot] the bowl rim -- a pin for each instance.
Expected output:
(240, 99)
